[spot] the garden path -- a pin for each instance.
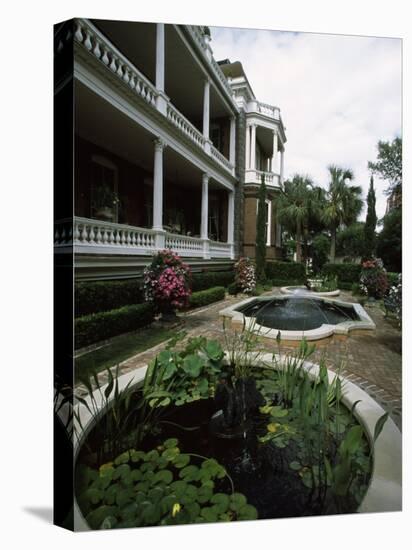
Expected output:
(373, 361)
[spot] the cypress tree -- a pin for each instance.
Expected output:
(370, 223)
(260, 233)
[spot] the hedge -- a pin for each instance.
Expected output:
(285, 271)
(346, 273)
(99, 326)
(204, 297)
(97, 296)
(209, 279)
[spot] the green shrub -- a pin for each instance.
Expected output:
(346, 273)
(99, 326)
(204, 297)
(209, 279)
(392, 278)
(355, 288)
(97, 296)
(285, 271)
(233, 289)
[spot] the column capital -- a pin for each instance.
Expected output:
(159, 144)
(205, 177)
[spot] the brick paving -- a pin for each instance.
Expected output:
(372, 361)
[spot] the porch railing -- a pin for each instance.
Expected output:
(100, 237)
(90, 38)
(255, 176)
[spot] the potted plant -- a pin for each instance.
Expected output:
(167, 283)
(105, 201)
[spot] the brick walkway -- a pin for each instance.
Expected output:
(373, 361)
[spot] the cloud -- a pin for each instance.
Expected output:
(339, 95)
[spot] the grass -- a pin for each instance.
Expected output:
(120, 349)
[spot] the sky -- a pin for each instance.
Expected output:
(338, 95)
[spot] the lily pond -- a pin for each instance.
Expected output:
(211, 437)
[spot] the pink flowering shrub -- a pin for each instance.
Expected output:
(166, 281)
(245, 275)
(373, 278)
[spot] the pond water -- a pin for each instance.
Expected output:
(297, 312)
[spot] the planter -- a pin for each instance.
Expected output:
(384, 493)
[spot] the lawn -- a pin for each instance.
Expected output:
(120, 349)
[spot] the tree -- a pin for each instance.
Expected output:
(389, 242)
(320, 252)
(343, 203)
(294, 207)
(350, 241)
(370, 224)
(261, 233)
(389, 164)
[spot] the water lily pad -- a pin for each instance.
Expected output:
(221, 500)
(294, 465)
(93, 495)
(204, 494)
(189, 473)
(122, 471)
(108, 523)
(209, 513)
(247, 512)
(122, 459)
(181, 460)
(96, 517)
(171, 454)
(213, 350)
(192, 365)
(171, 442)
(163, 476)
(137, 456)
(237, 501)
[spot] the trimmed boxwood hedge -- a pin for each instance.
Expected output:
(346, 273)
(209, 279)
(97, 296)
(285, 271)
(204, 297)
(99, 326)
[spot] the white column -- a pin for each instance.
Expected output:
(205, 216)
(253, 148)
(206, 108)
(231, 222)
(205, 207)
(232, 151)
(275, 153)
(247, 160)
(158, 185)
(281, 165)
(160, 57)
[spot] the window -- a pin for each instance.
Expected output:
(104, 189)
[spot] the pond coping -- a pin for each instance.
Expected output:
(238, 319)
(384, 493)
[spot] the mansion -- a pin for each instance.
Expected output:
(158, 145)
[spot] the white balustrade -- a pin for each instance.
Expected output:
(219, 249)
(221, 159)
(100, 237)
(255, 176)
(97, 44)
(184, 245)
(181, 122)
(268, 110)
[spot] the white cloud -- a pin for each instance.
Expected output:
(338, 95)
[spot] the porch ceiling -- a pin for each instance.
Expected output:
(184, 77)
(98, 121)
(265, 138)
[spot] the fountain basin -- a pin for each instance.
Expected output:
(303, 290)
(314, 318)
(384, 492)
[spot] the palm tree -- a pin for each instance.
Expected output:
(343, 203)
(294, 207)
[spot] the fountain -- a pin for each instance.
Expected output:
(299, 314)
